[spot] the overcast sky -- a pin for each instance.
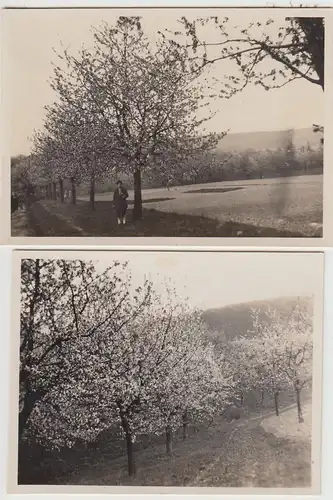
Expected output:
(215, 279)
(31, 35)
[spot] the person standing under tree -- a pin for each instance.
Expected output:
(120, 202)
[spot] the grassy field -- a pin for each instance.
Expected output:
(288, 426)
(286, 204)
(252, 451)
(50, 218)
(20, 224)
(237, 454)
(273, 208)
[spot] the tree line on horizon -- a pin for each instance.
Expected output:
(218, 167)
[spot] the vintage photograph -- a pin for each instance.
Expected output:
(165, 122)
(154, 369)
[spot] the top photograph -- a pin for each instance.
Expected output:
(199, 126)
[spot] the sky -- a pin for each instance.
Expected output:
(30, 36)
(216, 279)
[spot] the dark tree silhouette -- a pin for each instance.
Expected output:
(298, 46)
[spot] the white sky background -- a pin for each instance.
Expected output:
(31, 35)
(216, 279)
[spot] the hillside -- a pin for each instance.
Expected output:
(228, 322)
(269, 140)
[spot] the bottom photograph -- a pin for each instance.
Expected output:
(170, 370)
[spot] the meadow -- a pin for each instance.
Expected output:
(289, 207)
(291, 204)
(258, 450)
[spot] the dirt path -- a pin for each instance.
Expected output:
(253, 458)
(20, 224)
(43, 222)
(234, 454)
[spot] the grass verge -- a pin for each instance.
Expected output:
(237, 454)
(50, 218)
(215, 453)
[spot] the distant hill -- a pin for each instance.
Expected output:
(228, 322)
(269, 140)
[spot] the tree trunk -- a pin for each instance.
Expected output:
(130, 455)
(137, 208)
(29, 403)
(61, 186)
(30, 396)
(92, 192)
(168, 440)
(185, 426)
(262, 398)
(242, 400)
(23, 419)
(314, 31)
(73, 188)
(276, 403)
(50, 191)
(54, 186)
(299, 406)
(129, 440)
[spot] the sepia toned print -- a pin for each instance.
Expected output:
(212, 120)
(153, 370)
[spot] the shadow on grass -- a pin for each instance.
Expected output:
(50, 218)
(212, 190)
(151, 200)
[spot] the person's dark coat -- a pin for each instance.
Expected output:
(120, 201)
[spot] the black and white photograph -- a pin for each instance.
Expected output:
(165, 370)
(165, 123)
